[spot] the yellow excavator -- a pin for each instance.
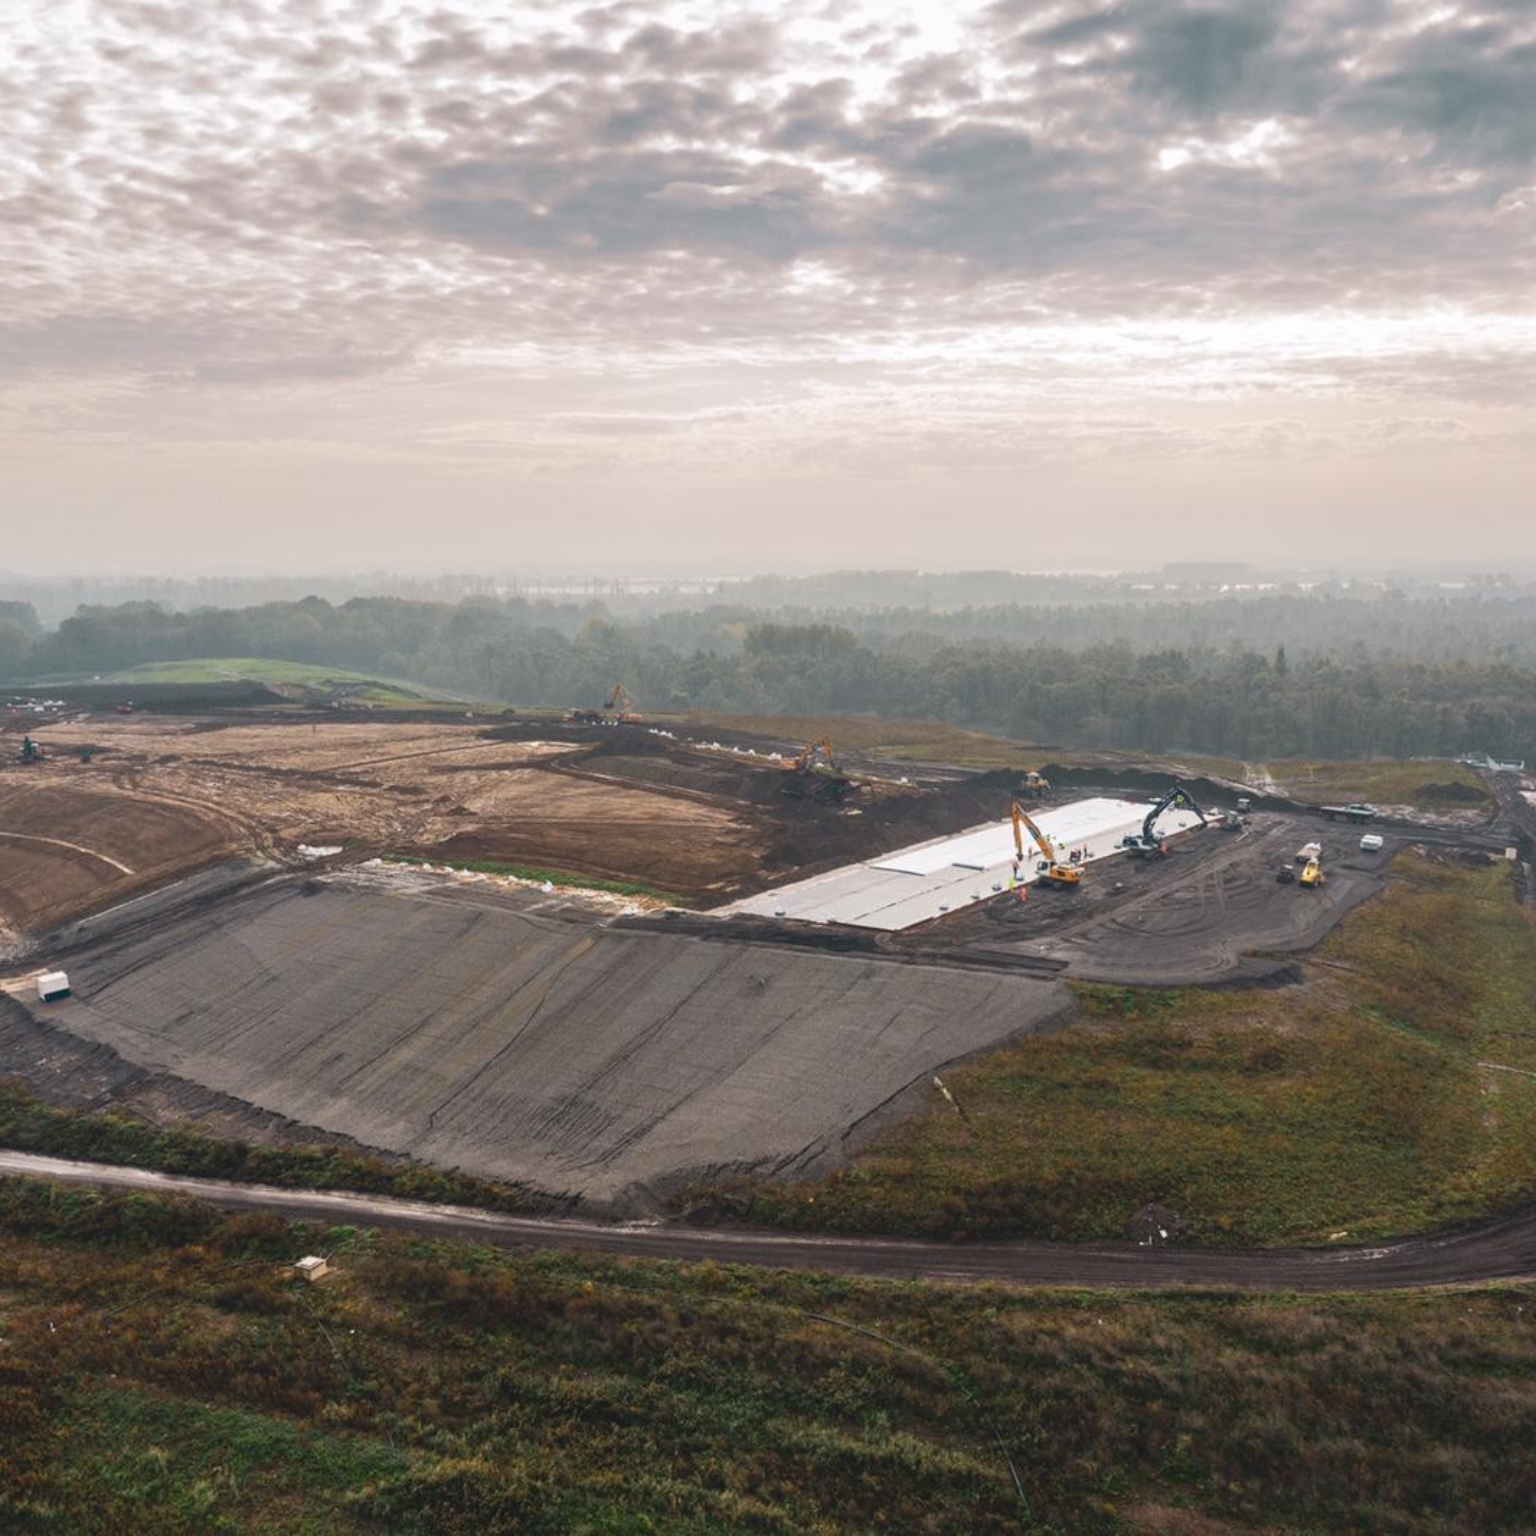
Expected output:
(1050, 868)
(807, 758)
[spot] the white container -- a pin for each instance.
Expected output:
(52, 985)
(1372, 842)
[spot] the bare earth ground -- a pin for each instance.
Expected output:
(166, 795)
(529, 1040)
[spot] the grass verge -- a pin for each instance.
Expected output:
(1356, 1105)
(27, 1124)
(1436, 785)
(161, 1372)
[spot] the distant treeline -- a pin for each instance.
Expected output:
(1249, 677)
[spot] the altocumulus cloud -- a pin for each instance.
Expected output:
(978, 205)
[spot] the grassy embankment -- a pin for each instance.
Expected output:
(1435, 785)
(353, 687)
(161, 1372)
(556, 877)
(1354, 1106)
(1385, 780)
(930, 741)
(27, 1124)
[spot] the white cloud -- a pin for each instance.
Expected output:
(698, 236)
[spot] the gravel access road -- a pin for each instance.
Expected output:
(1503, 1249)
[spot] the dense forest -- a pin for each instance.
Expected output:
(1255, 675)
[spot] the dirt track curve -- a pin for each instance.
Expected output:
(1501, 1249)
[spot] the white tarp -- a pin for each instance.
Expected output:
(917, 884)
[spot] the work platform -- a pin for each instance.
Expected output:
(917, 884)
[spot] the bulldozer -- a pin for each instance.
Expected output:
(1050, 868)
(1033, 786)
(1312, 876)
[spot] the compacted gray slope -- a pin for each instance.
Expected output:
(509, 1037)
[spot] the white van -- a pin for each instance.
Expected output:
(1371, 843)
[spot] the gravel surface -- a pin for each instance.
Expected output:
(515, 1037)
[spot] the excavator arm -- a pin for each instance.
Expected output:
(1177, 795)
(807, 756)
(1051, 866)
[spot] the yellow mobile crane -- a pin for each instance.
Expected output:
(1050, 868)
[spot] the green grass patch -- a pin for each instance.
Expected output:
(332, 681)
(1355, 1103)
(1435, 784)
(27, 1124)
(188, 1383)
(556, 877)
(137, 1460)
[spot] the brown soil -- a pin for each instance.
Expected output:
(67, 845)
(169, 794)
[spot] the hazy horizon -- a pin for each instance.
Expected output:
(699, 287)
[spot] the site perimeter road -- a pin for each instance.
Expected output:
(1503, 1249)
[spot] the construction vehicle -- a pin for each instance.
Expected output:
(1354, 813)
(31, 752)
(1146, 844)
(1034, 786)
(806, 759)
(1312, 876)
(813, 773)
(1050, 868)
(618, 706)
(123, 709)
(1286, 874)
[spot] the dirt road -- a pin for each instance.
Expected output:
(1503, 1249)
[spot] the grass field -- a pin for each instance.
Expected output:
(931, 741)
(355, 686)
(1353, 1106)
(162, 1373)
(1381, 781)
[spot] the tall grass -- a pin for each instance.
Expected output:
(162, 1372)
(1356, 1105)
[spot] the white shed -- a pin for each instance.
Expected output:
(52, 985)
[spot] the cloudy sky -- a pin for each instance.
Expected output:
(708, 285)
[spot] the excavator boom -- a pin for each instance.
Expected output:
(1147, 842)
(1050, 868)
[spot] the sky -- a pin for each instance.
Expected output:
(709, 286)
